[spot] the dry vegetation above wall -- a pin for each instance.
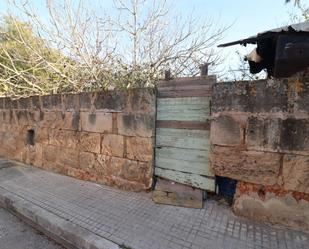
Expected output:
(260, 136)
(106, 137)
(78, 47)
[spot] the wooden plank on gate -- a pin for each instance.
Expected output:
(183, 109)
(165, 88)
(180, 138)
(184, 93)
(195, 180)
(183, 160)
(186, 101)
(190, 125)
(198, 168)
(189, 81)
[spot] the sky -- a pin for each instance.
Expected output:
(247, 16)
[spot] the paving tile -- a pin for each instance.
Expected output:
(134, 220)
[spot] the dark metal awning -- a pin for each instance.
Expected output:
(302, 27)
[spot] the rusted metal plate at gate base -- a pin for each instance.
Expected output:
(172, 193)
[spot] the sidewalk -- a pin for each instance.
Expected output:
(94, 216)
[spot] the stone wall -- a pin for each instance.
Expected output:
(260, 137)
(106, 137)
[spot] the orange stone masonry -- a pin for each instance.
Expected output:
(106, 137)
(260, 137)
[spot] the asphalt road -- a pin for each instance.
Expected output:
(15, 234)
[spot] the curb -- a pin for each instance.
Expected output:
(60, 230)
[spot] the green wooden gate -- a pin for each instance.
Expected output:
(183, 131)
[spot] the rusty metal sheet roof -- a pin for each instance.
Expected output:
(302, 27)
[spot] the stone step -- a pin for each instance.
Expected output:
(176, 194)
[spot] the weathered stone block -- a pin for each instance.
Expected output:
(263, 133)
(72, 121)
(3, 150)
(10, 103)
(14, 104)
(80, 174)
(103, 165)
(129, 170)
(141, 100)
(228, 96)
(1, 117)
(52, 102)
(141, 125)
(22, 117)
(134, 100)
(33, 155)
(111, 100)
(13, 119)
(36, 102)
(295, 173)
(49, 119)
(301, 88)
(71, 102)
(7, 103)
(34, 117)
(69, 157)
(253, 166)
(5, 117)
(41, 135)
(50, 153)
(85, 100)
(61, 156)
(90, 142)
(225, 130)
(276, 134)
(112, 145)
(13, 130)
(96, 122)
(16, 145)
(54, 166)
(64, 138)
(1, 103)
(2, 121)
(295, 135)
(272, 205)
(250, 96)
(268, 96)
(89, 162)
(124, 184)
(24, 103)
(140, 149)
(60, 120)
(12, 143)
(2, 126)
